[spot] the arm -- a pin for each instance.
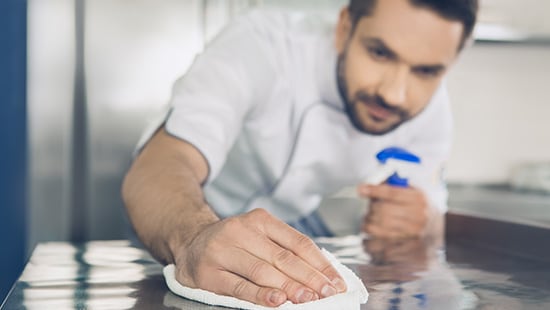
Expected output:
(254, 256)
(166, 175)
(418, 210)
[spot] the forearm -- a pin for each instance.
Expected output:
(163, 196)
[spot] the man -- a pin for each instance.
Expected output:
(280, 112)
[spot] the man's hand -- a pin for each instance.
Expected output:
(258, 258)
(255, 256)
(398, 212)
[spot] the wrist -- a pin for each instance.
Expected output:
(182, 236)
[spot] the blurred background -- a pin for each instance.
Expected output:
(81, 79)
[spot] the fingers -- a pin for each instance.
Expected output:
(303, 272)
(217, 278)
(395, 212)
(391, 193)
(383, 211)
(230, 284)
(265, 274)
(386, 220)
(258, 258)
(300, 257)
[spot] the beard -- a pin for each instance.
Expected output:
(363, 97)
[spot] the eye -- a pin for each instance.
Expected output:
(427, 72)
(379, 53)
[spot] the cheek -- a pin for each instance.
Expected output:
(361, 72)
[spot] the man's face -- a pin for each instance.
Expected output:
(392, 62)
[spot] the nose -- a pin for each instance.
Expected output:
(393, 86)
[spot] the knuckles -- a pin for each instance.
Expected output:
(232, 225)
(239, 290)
(259, 218)
(283, 257)
(257, 269)
(305, 243)
(258, 215)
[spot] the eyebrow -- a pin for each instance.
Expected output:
(393, 55)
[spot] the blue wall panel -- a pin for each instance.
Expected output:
(13, 140)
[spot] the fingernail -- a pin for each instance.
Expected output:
(304, 296)
(339, 285)
(363, 190)
(277, 298)
(328, 290)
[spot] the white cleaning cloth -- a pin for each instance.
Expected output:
(355, 295)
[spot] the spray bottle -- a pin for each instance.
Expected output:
(396, 165)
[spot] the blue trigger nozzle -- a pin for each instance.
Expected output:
(400, 154)
(397, 153)
(396, 180)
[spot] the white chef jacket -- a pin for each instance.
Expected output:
(261, 104)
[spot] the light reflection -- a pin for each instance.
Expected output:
(56, 253)
(99, 254)
(118, 274)
(37, 273)
(30, 304)
(48, 293)
(111, 303)
(118, 303)
(64, 292)
(407, 274)
(348, 249)
(111, 290)
(99, 275)
(172, 301)
(403, 274)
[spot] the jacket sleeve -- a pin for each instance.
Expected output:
(224, 84)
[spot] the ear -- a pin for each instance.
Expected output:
(343, 30)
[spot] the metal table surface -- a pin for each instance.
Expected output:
(399, 275)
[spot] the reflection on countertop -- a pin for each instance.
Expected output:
(412, 274)
(409, 274)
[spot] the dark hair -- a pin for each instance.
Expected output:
(464, 11)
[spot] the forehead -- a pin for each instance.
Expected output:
(417, 34)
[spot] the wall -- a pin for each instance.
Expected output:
(501, 103)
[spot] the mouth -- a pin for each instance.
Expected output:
(377, 113)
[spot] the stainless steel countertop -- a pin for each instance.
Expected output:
(399, 275)
(501, 202)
